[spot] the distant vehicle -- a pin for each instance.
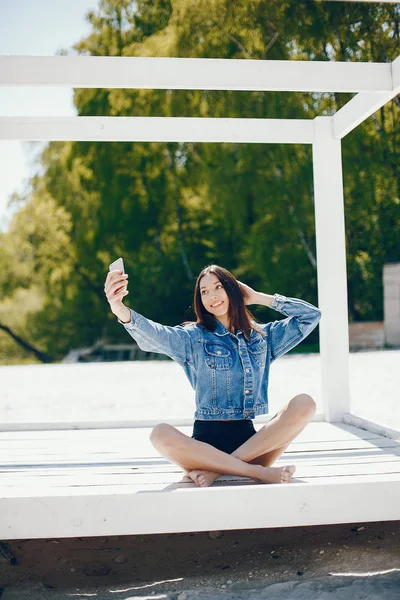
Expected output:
(101, 352)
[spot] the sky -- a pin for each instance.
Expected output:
(34, 28)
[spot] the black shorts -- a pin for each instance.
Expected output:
(224, 435)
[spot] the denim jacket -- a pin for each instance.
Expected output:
(228, 373)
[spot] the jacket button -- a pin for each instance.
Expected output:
(218, 351)
(247, 370)
(247, 391)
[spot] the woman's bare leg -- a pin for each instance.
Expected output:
(282, 430)
(204, 478)
(191, 454)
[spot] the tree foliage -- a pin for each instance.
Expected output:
(171, 208)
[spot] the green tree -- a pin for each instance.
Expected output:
(171, 208)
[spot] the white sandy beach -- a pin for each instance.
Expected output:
(148, 390)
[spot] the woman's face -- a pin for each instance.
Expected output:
(213, 295)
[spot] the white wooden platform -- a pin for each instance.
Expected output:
(75, 483)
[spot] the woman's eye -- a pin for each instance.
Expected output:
(219, 285)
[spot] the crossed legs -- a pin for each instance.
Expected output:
(204, 463)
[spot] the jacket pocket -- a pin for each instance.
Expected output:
(218, 356)
(258, 350)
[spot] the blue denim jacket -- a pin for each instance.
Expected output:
(228, 373)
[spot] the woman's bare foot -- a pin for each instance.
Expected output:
(203, 478)
(186, 476)
(276, 474)
(267, 475)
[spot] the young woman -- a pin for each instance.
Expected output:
(226, 355)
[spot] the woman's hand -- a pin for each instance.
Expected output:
(115, 289)
(249, 295)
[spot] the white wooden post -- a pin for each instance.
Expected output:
(331, 269)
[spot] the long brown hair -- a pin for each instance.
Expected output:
(238, 315)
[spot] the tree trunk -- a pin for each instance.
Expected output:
(178, 209)
(45, 358)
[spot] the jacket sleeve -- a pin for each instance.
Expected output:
(285, 334)
(176, 342)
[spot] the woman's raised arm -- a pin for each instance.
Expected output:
(176, 342)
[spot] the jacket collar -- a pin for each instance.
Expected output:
(220, 329)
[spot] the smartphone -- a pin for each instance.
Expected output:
(117, 265)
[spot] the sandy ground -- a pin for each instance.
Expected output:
(160, 390)
(355, 560)
(335, 562)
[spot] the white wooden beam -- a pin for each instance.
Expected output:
(331, 266)
(396, 75)
(194, 73)
(80, 511)
(157, 129)
(364, 105)
(139, 424)
(362, 423)
(356, 111)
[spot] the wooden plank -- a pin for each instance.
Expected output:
(374, 428)
(158, 129)
(331, 258)
(127, 456)
(142, 479)
(374, 455)
(67, 478)
(178, 509)
(357, 110)
(364, 105)
(313, 431)
(194, 73)
(165, 484)
(134, 449)
(147, 472)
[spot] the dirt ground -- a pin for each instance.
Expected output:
(227, 560)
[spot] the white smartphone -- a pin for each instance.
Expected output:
(117, 265)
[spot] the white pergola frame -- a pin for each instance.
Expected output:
(373, 83)
(73, 502)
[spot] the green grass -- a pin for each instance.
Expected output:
(19, 361)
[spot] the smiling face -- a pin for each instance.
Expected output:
(213, 293)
